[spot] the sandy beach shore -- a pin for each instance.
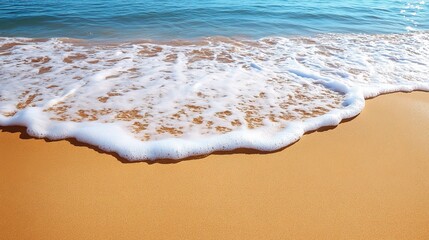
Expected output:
(366, 179)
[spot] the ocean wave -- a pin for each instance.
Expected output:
(147, 100)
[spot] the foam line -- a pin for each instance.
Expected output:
(152, 100)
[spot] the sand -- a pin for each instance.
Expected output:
(366, 179)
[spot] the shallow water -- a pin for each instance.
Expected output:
(175, 99)
(168, 19)
(166, 79)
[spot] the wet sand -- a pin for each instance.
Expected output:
(366, 179)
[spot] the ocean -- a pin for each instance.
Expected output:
(168, 79)
(190, 19)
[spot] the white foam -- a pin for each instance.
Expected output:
(178, 99)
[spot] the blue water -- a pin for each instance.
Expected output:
(172, 19)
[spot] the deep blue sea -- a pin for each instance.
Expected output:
(187, 19)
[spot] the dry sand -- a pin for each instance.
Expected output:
(366, 179)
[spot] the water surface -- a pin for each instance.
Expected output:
(243, 74)
(167, 19)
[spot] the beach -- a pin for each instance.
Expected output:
(365, 179)
(214, 119)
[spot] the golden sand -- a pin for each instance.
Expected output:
(367, 179)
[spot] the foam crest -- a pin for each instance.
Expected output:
(150, 100)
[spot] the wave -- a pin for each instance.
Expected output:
(148, 100)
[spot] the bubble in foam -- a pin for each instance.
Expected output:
(152, 100)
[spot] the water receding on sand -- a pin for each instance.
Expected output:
(148, 99)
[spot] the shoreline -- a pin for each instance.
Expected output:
(365, 179)
(223, 113)
(22, 131)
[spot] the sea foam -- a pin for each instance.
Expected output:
(149, 100)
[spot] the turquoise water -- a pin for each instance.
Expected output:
(171, 19)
